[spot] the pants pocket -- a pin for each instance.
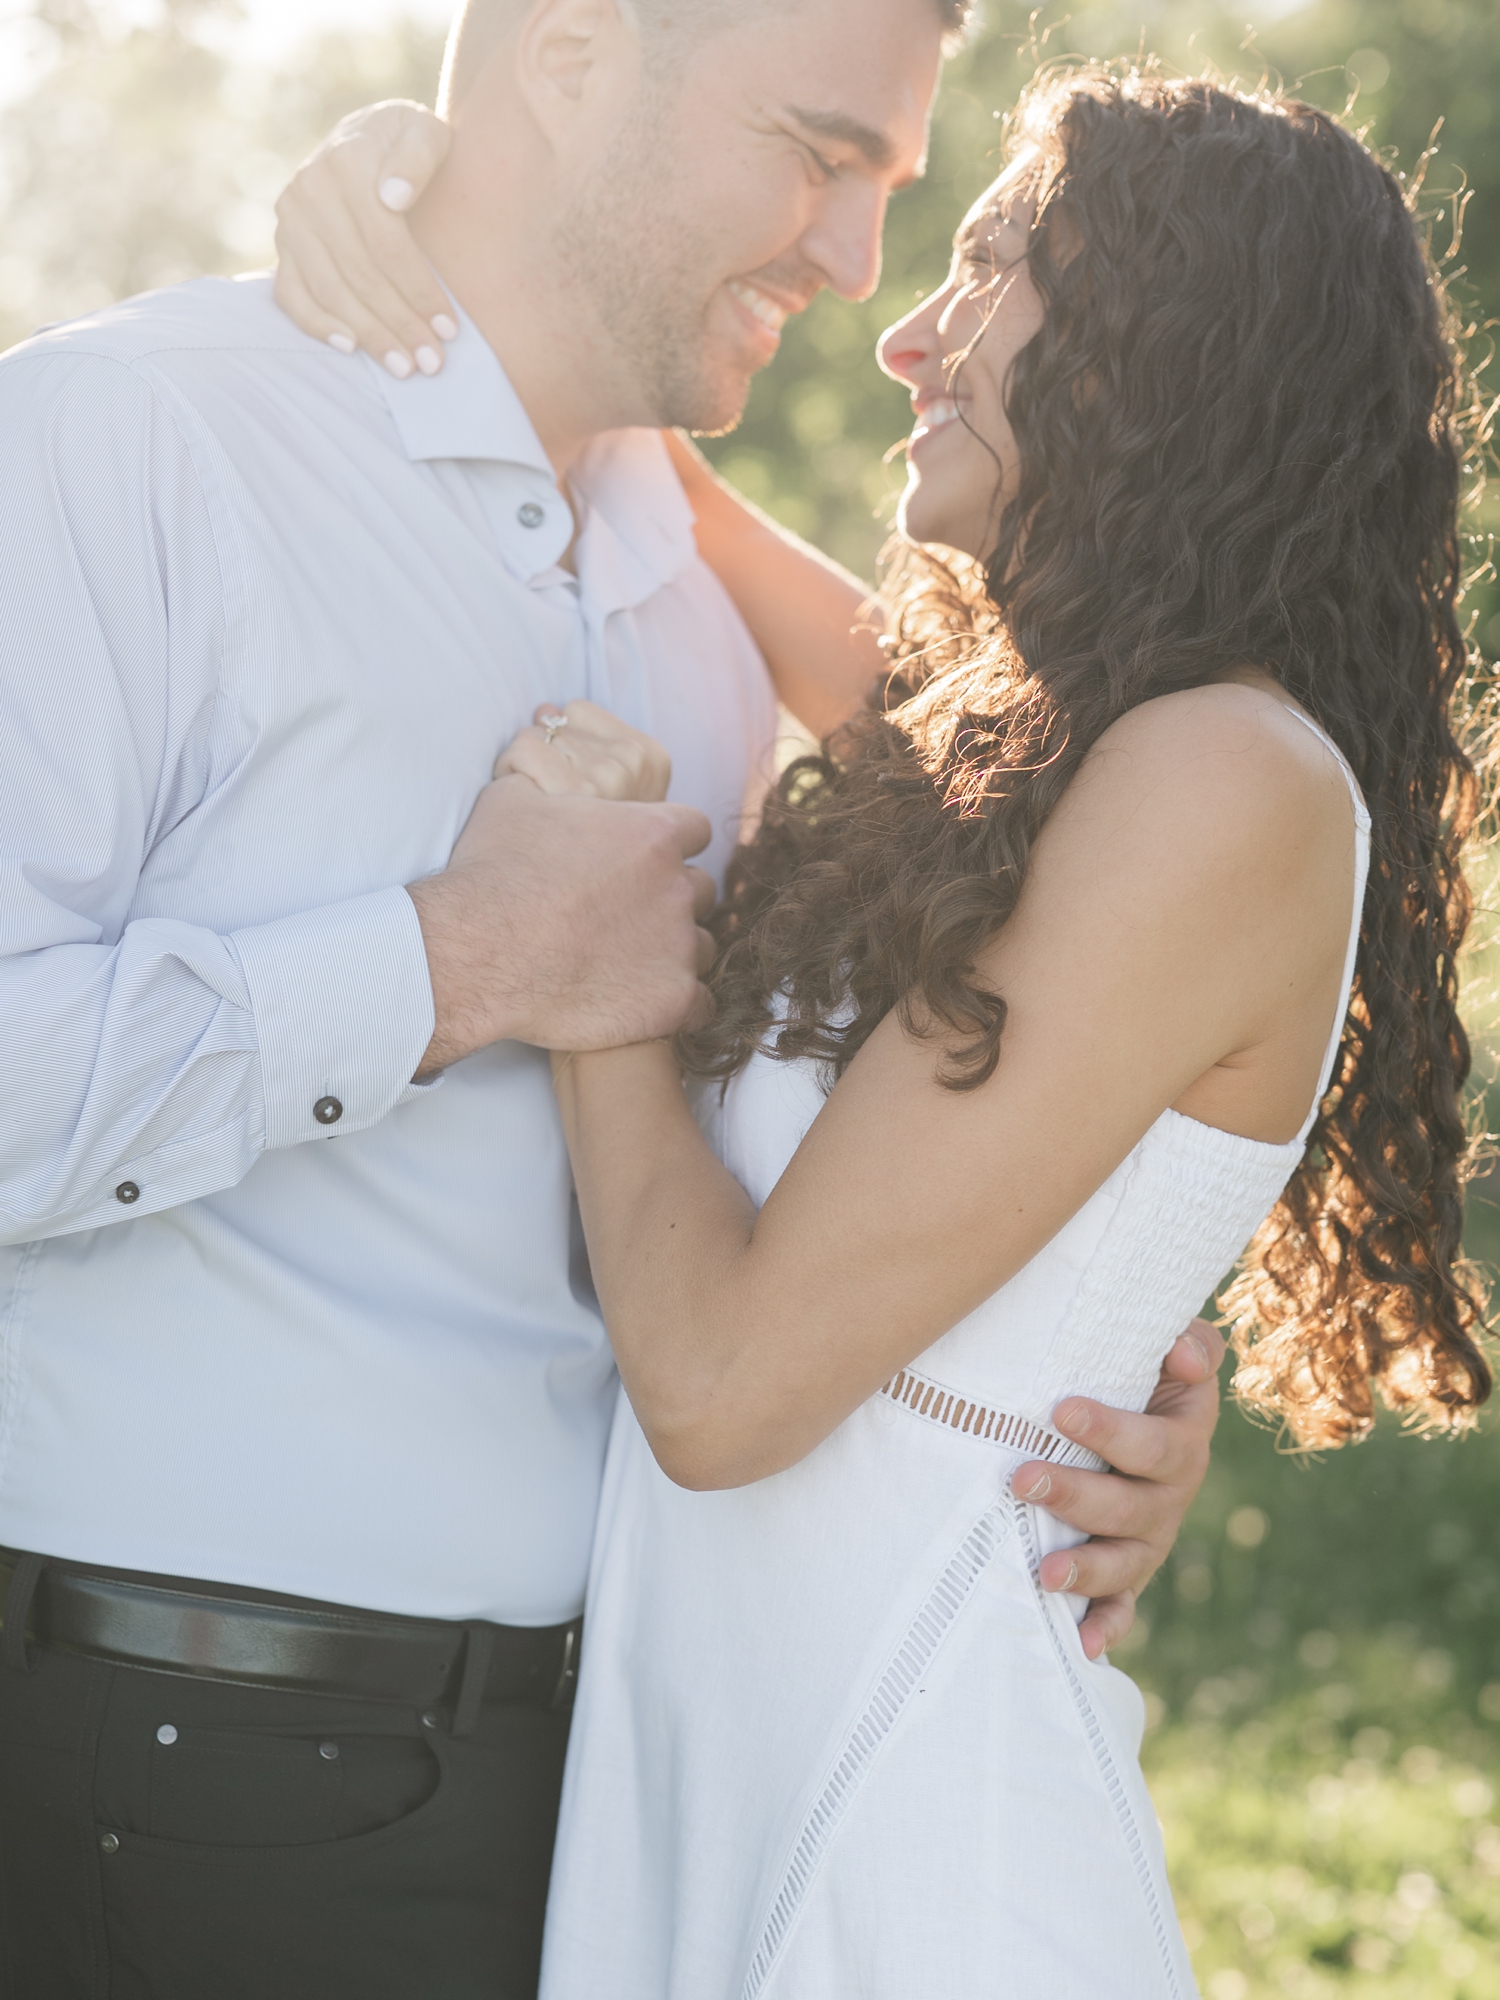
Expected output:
(254, 1788)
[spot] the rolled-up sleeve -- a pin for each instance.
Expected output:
(146, 1061)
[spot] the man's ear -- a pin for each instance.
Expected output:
(575, 58)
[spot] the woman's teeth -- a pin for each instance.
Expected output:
(765, 310)
(943, 410)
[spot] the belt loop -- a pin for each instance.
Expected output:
(23, 1582)
(562, 1694)
(479, 1645)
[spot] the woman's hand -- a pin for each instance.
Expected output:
(349, 271)
(582, 751)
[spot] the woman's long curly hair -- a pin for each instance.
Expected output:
(1240, 435)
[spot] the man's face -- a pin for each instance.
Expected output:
(744, 183)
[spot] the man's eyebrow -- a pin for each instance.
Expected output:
(838, 125)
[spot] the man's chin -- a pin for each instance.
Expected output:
(710, 408)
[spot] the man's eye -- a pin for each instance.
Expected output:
(827, 170)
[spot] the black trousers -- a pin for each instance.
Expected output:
(163, 1838)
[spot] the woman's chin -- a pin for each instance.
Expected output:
(922, 517)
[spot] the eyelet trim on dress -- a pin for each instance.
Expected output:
(908, 1664)
(929, 1399)
(1102, 1756)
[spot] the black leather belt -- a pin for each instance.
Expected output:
(259, 1639)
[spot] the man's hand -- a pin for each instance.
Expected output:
(567, 922)
(1135, 1512)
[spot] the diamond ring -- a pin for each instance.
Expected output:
(550, 725)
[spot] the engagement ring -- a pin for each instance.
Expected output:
(551, 724)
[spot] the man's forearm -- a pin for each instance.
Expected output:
(150, 1073)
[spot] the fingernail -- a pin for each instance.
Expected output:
(342, 342)
(1074, 1419)
(1199, 1349)
(443, 327)
(1071, 1577)
(429, 360)
(1039, 1491)
(397, 193)
(398, 364)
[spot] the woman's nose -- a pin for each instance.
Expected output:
(906, 349)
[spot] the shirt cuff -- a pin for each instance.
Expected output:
(342, 1004)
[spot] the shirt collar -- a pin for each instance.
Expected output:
(635, 523)
(469, 410)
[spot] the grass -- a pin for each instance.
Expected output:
(1322, 1667)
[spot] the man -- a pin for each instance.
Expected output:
(305, 1392)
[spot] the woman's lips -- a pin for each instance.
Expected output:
(933, 417)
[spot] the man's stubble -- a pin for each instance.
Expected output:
(648, 269)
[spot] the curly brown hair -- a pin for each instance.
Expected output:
(1240, 431)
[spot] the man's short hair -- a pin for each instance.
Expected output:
(483, 23)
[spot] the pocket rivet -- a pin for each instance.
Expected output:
(328, 1750)
(167, 1733)
(110, 1842)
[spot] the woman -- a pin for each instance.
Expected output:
(1118, 933)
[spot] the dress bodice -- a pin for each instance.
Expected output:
(1096, 1309)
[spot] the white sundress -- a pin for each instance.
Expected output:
(831, 1738)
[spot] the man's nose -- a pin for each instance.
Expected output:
(844, 238)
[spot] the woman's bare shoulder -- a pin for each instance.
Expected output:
(1230, 756)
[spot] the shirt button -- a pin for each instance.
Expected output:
(167, 1733)
(530, 515)
(431, 1720)
(327, 1111)
(110, 1842)
(127, 1192)
(328, 1751)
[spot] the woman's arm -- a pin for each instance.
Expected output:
(816, 624)
(1191, 889)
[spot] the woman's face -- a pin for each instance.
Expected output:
(955, 354)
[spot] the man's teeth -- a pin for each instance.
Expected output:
(943, 410)
(765, 310)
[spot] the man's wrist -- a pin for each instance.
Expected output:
(465, 1017)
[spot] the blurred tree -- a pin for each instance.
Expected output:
(145, 153)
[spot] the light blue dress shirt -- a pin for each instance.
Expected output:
(268, 617)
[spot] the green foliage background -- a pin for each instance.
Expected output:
(1322, 1656)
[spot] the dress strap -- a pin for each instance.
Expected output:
(1361, 877)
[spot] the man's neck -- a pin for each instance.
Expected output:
(557, 358)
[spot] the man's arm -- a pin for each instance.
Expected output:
(1135, 1512)
(146, 1060)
